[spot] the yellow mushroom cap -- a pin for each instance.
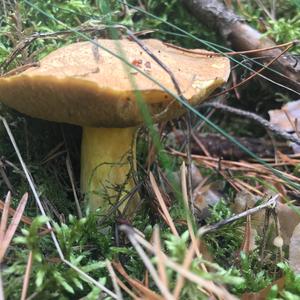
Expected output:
(84, 85)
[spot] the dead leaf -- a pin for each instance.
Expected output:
(288, 220)
(9, 233)
(285, 118)
(248, 244)
(147, 293)
(11, 212)
(244, 200)
(262, 295)
(294, 254)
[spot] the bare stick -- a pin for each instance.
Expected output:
(270, 203)
(255, 73)
(209, 53)
(241, 36)
(254, 117)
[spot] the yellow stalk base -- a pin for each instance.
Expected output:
(108, 158)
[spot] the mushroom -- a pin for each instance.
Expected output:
(87, 86)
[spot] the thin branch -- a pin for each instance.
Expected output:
(270, 203)
(209, 53)
(256, 118)
(255, 73)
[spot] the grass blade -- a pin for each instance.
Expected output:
(13, 226)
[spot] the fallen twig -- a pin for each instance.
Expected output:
(242, 36)
(255, 73)
(256, 118)
(207, 228)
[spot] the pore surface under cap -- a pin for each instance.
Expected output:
(84, 85)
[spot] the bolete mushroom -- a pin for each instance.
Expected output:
(87, 86)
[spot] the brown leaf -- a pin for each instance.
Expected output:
(4, 217)
(262, 294)
(249, 237)
(294, 254)
(285, 118)
(288, 219)
(147, 293)
(245, 200)
(12, 211)
(13, 226)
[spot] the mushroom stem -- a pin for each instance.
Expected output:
(108, 159)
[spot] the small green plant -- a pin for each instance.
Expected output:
(176, 248)
(226, 241)
(292, 283)
(82, 244)
(285, 30)
(256, 278)
(282, 27)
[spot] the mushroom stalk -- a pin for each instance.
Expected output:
(108, 160)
